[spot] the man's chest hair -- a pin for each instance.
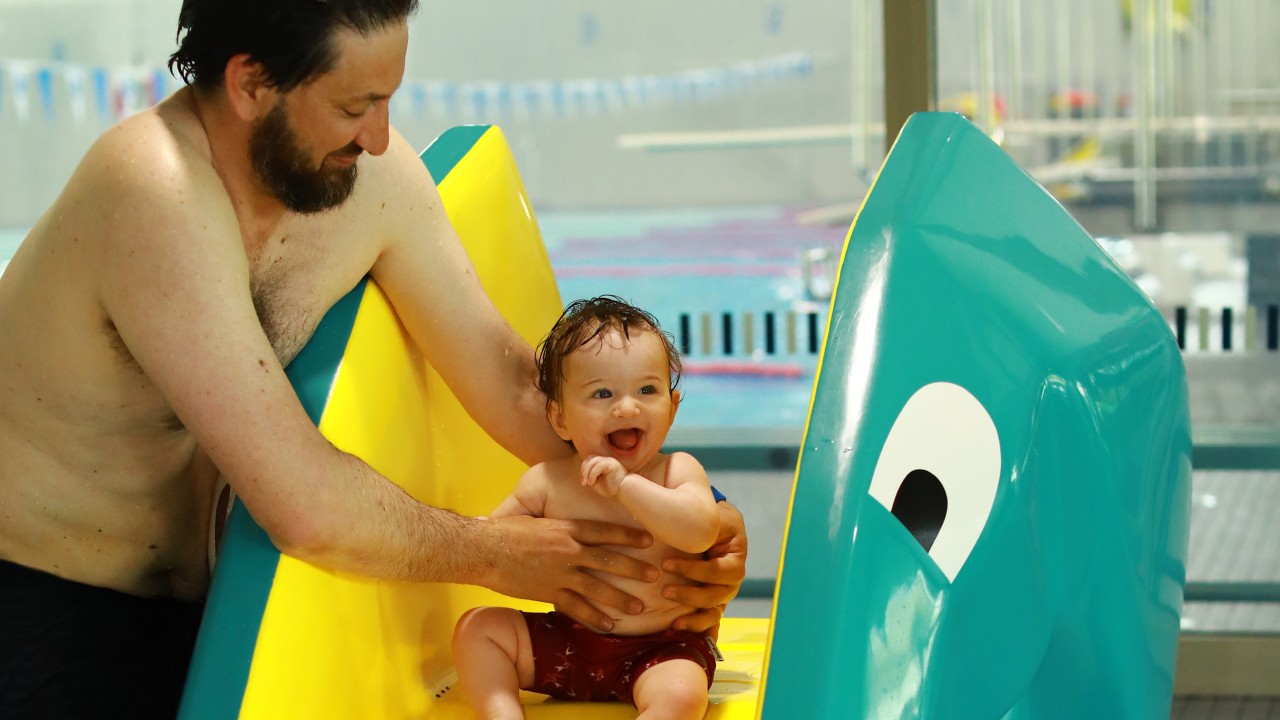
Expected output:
(288, 309)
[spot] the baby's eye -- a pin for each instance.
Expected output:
(602, 393)
(648, 390)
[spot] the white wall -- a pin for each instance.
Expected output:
(568, 162)
(573, 162)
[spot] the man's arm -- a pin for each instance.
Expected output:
(174, 281)
(434, 289)
(437, 295)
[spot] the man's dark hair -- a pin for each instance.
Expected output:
(292, 39)
(587, 320)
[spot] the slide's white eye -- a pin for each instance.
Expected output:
(938, 472)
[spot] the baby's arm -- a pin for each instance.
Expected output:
(529, 496)
(681, 514)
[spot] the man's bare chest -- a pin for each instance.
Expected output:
(288, 310)
(292, 292)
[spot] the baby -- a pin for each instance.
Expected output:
(610, 376)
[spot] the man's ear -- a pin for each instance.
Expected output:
(248, 91)
(555, 416)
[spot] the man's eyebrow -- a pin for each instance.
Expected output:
(367, 97)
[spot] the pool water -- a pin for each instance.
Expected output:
(703, 265)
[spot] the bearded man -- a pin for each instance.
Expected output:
(144, 326)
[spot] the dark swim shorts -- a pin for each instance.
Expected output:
(571, 662)
(72, 651)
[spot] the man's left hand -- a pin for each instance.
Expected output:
(716, 577)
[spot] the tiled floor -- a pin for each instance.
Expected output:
(1234, 538)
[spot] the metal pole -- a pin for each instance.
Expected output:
(1013, 62)
(862, 56)
(1144, 79)
(1039, 62)
(1251, 83)
(1088, 59)
(1199, 100)
(1163, 53)
(986, 67)
(1224, 60)
(1062, 44)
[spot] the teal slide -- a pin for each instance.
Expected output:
(991, 509)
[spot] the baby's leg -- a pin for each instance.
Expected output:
(672, 690)
(491, 650)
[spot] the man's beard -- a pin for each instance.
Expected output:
(284, 168)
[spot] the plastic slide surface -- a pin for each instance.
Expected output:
(991, 508)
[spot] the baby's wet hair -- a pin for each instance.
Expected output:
(584, 321)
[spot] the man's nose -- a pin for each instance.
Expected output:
(376, 133)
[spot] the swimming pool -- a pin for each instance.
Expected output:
(719, 280)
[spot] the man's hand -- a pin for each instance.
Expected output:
(546, 560)
(717, 577)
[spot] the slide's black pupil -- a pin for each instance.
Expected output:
(921, 506)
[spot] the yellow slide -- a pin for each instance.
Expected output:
(284, 639)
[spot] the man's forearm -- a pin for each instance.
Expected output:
(367, 525)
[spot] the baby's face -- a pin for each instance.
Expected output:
(616, 399)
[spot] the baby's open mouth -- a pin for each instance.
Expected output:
(624, 439)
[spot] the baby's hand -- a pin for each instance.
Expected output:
(603, 474)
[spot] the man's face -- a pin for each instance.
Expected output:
(293, 147)
(290, 174)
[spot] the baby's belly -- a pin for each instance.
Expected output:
(659, 612)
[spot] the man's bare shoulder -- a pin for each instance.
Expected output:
(148, 181)
(400, 161)
(397, 185)
(159, 153)
(419, 252)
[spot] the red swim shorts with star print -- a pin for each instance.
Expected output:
(572, 662)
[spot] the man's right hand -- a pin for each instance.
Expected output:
(546, 560)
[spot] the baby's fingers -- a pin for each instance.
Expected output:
(592, 468)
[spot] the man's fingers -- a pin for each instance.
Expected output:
(717, 571)
(700, 621)
(700, 596)
(616, 563)
(593, 532)
(599, 592)
(575, 606)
